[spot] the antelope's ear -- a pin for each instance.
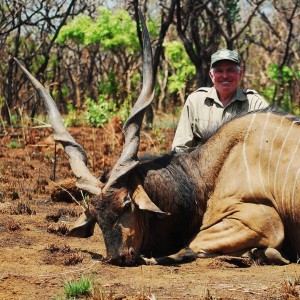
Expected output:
(143, 201)
(84, 226)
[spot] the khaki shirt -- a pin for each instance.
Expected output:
(203, 111)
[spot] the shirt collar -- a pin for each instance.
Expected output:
(240, 95)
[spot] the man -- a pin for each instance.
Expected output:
(208, 108)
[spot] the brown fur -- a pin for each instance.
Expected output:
(249, 162)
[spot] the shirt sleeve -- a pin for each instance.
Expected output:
(262, 103)
(183, 139)
(256, 101)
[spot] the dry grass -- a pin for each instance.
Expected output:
(12, 225)
(53, 248)
(73, 259)
(59, 229)
(61, 215)
(24, 208)
(291, 287)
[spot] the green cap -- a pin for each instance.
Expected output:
(225, 54)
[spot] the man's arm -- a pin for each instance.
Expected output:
(183, 139)
(256, 101)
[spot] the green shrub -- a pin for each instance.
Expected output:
(72, 118)
(99, 113)
(14, 144)
(181, 66)
(14, 119)
(124, 111)
(289, 75)
(77, 288)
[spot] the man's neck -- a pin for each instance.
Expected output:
(226, 99)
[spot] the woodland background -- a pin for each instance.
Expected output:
(88, 53)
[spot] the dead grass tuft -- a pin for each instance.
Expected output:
(61, 214)
(53, 217)
(55, 248)
(12, 226)
(63, 255)
(15, 195)
(23, 209)
(291, 288)
(52, 248)
(59, 229)
(66, 249)
(73, 259)
(41, 184)
(68, 212)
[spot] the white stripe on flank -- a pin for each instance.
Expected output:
(249, 177)
(287, 170)
(279, 157)
(260, 151)
(293, 195)
(271, 152)
(245, 156)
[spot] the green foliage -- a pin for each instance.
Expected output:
(109, 84)
(115, 32)
(37, 62)
(2, 102)
(81, 287)
(268, 92)
(111, 29)
(135, 81)
(72, 118)
(100, 112)
(233, 10)
(182, 67)
(296, 110)
(124, 111)
(64, 90)
(75, 30)
(14, 144)
(54, 62)
(287, 75)
(14, 119)
(153, 27)
(48, 156)
(70, 107)
(160, 136)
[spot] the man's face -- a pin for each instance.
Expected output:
(226, 76)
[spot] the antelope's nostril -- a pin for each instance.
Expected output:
(122, 258)
(127, 258)
(131, 252)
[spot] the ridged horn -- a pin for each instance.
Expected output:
(131, 129)
(77, 156)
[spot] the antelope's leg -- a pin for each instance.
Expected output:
(184, 255)
(242, 227)
(249, 230)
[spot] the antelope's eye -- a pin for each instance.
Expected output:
(127, 203)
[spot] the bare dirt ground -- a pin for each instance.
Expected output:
(36, 259)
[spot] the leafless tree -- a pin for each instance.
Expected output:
(263, 32)
(280, 39)
(32, 27)
(203, 26)
(166, 11)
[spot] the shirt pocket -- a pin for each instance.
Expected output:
(200, 127)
